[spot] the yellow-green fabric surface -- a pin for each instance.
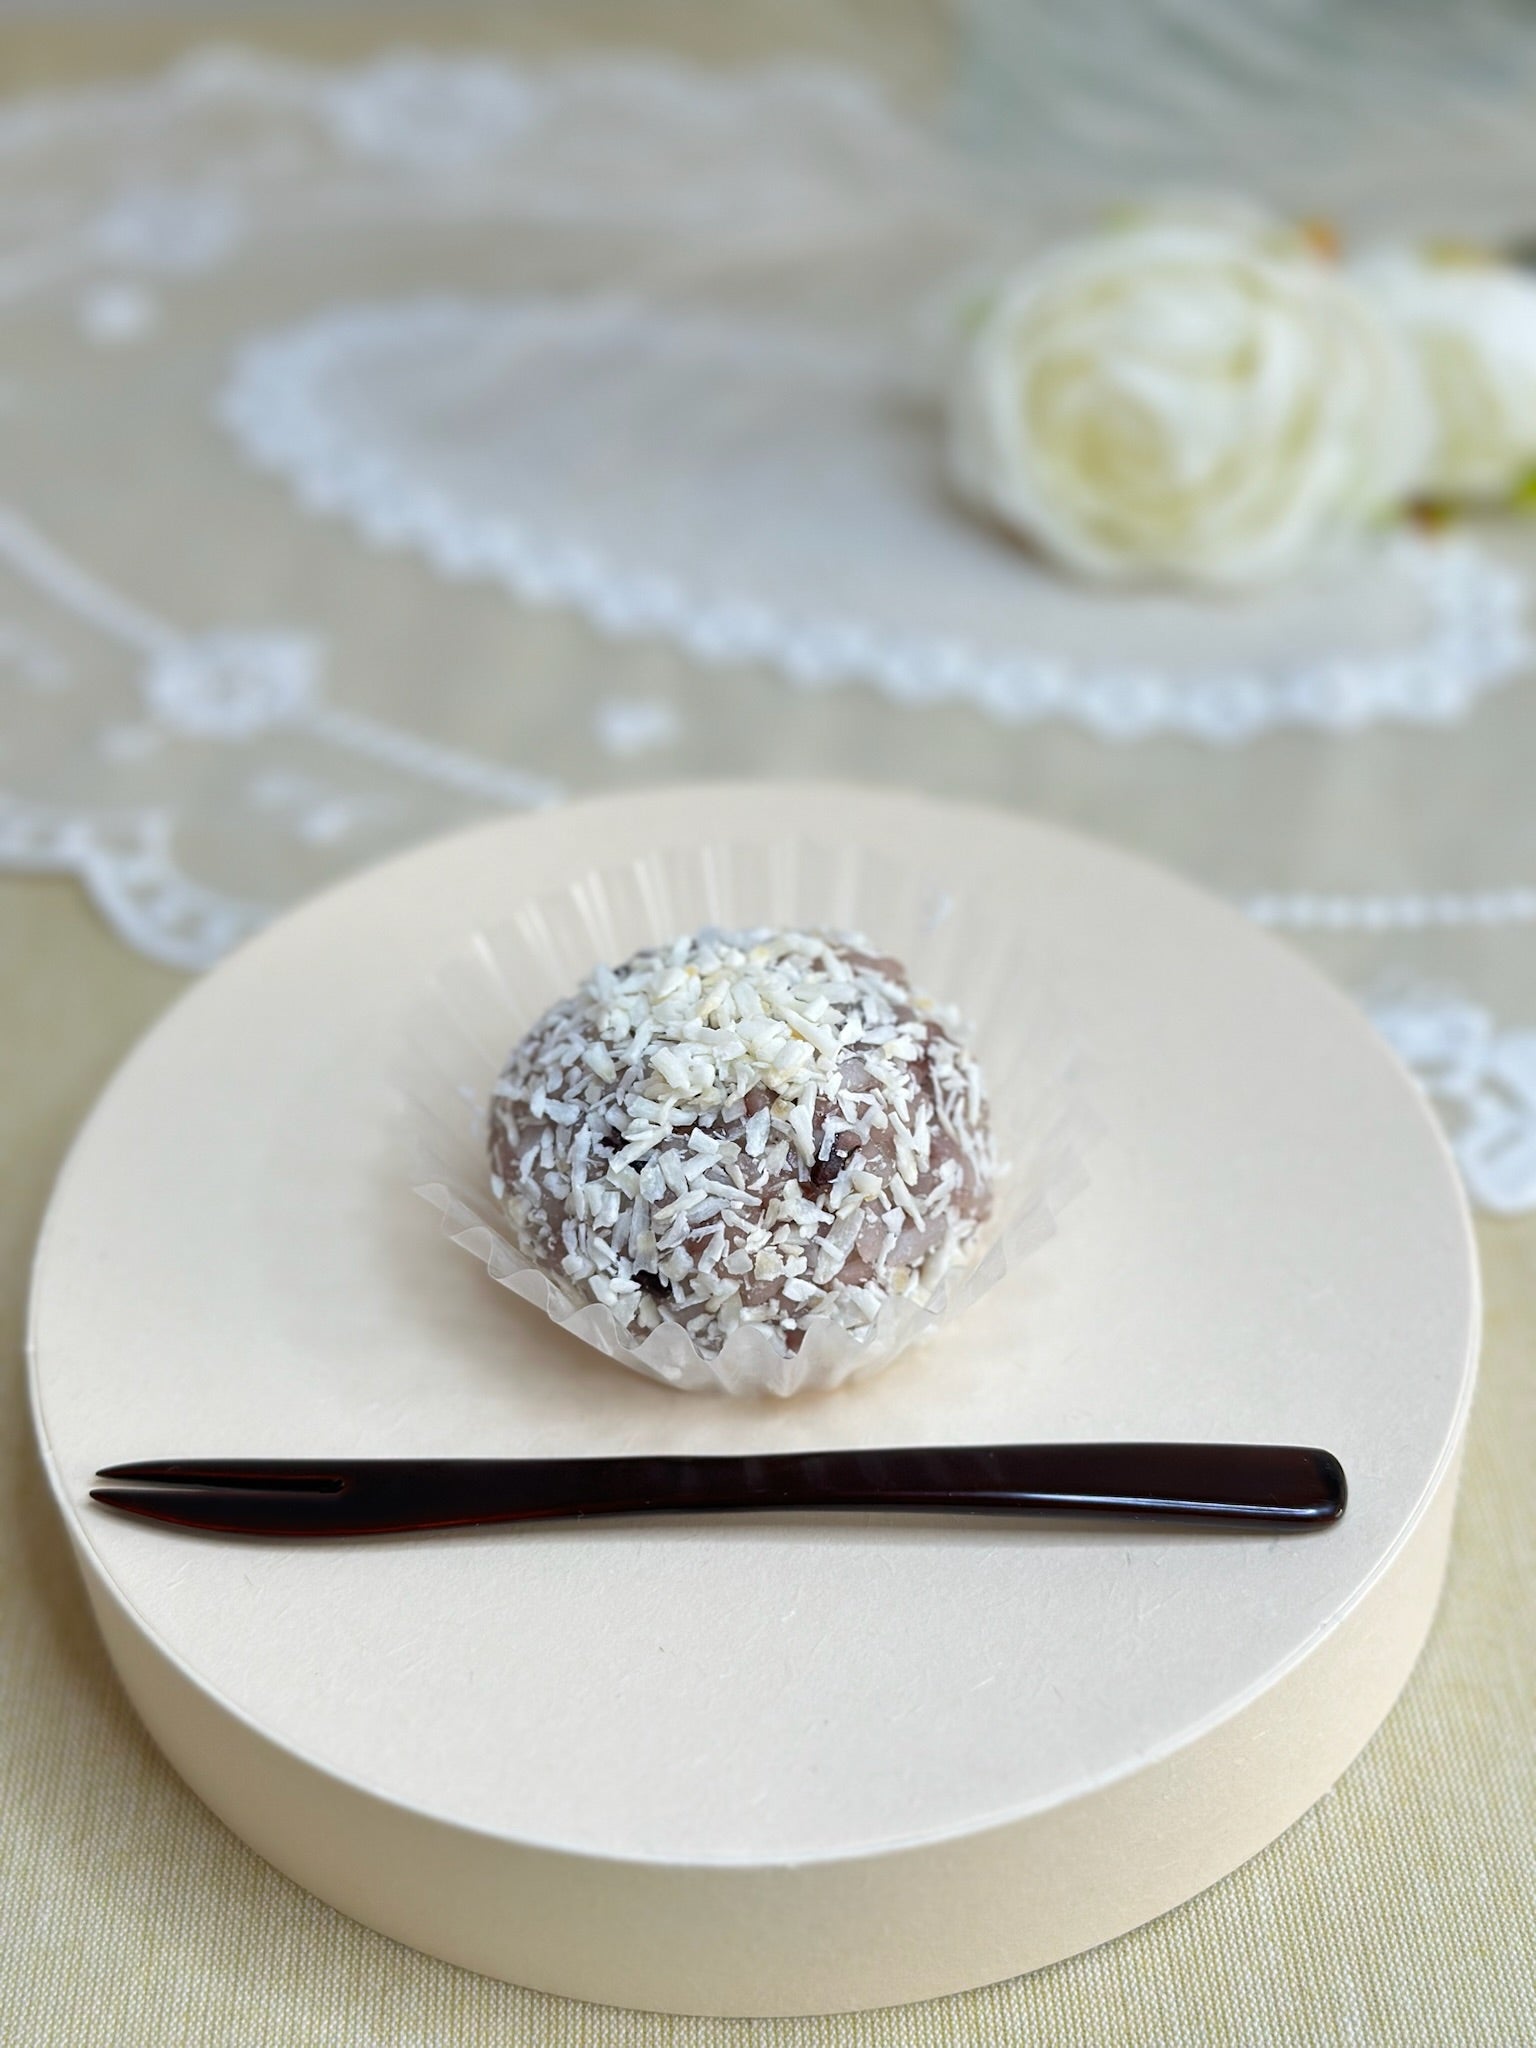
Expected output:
(1401, 1910)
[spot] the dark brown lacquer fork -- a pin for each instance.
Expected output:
(1258, 1486)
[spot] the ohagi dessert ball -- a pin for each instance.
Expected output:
(743, 1127)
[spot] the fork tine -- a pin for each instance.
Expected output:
(268, 1475)
(238, 1510)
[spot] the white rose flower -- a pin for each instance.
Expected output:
(1186, 400)
(1471, 327)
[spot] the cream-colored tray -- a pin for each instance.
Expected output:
(768, 1765)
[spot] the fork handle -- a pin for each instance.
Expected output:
(1269, 1485)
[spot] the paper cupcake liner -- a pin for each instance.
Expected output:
(500, 981)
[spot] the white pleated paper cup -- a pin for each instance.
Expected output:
(499, 981)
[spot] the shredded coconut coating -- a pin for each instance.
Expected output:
(749, 1127)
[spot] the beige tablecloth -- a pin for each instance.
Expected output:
(1400, 1910)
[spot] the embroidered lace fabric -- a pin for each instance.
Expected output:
(395, 382)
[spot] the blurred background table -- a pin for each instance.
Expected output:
(1400, 1910)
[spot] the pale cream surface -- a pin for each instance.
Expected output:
(722, 1692)
(1398, 1911)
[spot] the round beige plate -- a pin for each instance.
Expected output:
(770, 1765)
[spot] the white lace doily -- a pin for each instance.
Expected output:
(722, 428)
(760, 491)
(1482, 1078)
